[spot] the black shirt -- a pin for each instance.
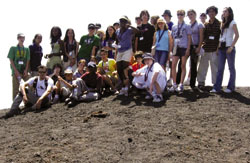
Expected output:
(36, 54)
(145, 37)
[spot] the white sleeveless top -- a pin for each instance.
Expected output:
(228, 34)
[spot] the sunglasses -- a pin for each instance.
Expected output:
(180, 14)
(42, 72)
(92, 28)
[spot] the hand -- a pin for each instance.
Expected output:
(197, 50)
(25, 74)
(229, 50)
(17, 74)
(25, 99)
(187, 52)
(59, 78)
(74, 86)
(38, 103)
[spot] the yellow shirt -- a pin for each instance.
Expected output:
(109, 67)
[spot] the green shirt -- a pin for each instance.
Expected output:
(87, 43)
(20, 57)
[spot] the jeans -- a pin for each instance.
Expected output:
(223, 56)
(161, 57)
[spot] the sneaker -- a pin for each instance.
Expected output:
(122, 92)
(158, 98)
(180, 88)
(169, 82)
(213, 91)
(148, 97)
(173, 88)
(227, 90)
(187, 82)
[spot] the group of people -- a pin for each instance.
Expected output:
(125, 57)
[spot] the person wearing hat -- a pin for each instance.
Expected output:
(163, 43)
(167, 16)
(64, 86)
(107, 68)
(19, 57)
(86, 88)
(151, 77)
(125, 53)
(89, 44)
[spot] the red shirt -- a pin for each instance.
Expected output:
(136, 66)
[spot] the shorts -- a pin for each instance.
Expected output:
(180, 52)
(124, 56)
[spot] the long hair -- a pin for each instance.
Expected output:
(66, 38)
(55, 38)
(34, 40)
(113, 36)
(226, 22)
(165, 27)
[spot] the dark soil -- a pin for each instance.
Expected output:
(189, 127)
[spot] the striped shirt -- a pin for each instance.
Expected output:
(211, 36)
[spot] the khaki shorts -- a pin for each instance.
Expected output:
(124, 56)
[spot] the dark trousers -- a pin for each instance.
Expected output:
(194, 61)
(178, 76)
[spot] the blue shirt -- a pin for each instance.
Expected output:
(182, 35)
(125, 40)
(196, 32)
(170, 25)
(163, 44)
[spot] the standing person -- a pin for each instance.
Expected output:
(36, 54)
(146, 34)
(228, 40)
(109, 40)
(212, 33)
(197, 39)
(154, 20)
(71, 49)
(167, 16)
(116, 25)
(39, 96)
(151, 77)
(57, 51)
(181, 34)
(19, 57)
(203, 18)
(89, 44)
(138, 21)
(124, 35)
(163, 43)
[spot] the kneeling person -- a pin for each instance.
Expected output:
(86, 88)
(151, 77)
(37, 97)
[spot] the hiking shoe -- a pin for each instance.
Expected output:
(213, 91)
(173, 88)
(72, 103)
(67, 100)
(148, 97)
(180, 88)
(158, 98)
(227, 90)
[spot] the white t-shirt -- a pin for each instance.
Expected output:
(40, 87)
(161, 78)
(228, 34)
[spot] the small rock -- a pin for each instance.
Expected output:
(178, 136)
(247, 152)
(130, 140)
(219, 140)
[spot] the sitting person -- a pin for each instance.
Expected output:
(151, 77)
(86, 88)
(81, 69)
(38, 97)
(107, 68)
(64, 86)
(138, 64)
(57, 71)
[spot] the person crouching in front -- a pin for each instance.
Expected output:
(38, 97)
(86, 88)
(151, 77)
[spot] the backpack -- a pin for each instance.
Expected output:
(35, 84)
